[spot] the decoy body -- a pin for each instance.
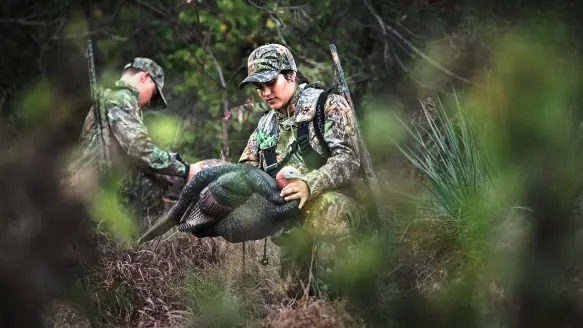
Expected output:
(237, 202)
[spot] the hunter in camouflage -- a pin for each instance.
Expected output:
(331, 214)
(130, 146)
(266, 62)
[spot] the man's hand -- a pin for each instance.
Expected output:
(296, 190)
(194, 169)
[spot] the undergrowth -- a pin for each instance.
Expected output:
(485, 237)
(186, 282)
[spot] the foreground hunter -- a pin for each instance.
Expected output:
(122, 132)
(313, 129)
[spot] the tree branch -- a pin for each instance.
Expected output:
(191, 32)
(151, 8)
(386, 28)
(26, 22)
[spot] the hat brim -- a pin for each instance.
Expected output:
(261, 77)
(159, 101)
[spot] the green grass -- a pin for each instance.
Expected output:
(447, 152)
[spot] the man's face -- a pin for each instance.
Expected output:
(146, 88)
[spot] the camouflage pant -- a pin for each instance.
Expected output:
(321, 238)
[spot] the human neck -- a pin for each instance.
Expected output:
(129, 81)
(286, 110)
(289, 108)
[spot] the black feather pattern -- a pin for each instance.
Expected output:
(238, 202)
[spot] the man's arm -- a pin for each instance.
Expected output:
(131, 133)
(344, 161)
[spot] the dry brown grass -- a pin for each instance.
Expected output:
(137, 287)
(148, 275)
(234, 292)
(64, 316)
(313, 313)
(188, 282)
(428, 246)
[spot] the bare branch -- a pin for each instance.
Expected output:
(280, 25)
(412, 76)
(218, 68)
(251, 2)
(151, 8)
(235, 73)
(271, 12)
(116, 11)
(300, 7)
(417, 36)
(79, 35)
(45, 45)
(27, 22)
(191, 32)
(386, 27)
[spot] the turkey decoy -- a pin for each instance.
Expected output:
(238, 202)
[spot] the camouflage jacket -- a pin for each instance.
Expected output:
(130, 143)
(343, 164)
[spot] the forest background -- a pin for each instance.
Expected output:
(470, 110)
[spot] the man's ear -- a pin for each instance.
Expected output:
(144, 77)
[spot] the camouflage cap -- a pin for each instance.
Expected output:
(157, 74)
(265, 62)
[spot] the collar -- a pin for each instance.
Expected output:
(120, 84)
(123, 84)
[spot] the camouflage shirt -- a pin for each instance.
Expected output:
(344, 162)
(128, 136)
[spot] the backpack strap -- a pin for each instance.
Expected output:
(267, 139)
(302, 143)
(270, 161)
(320, 120)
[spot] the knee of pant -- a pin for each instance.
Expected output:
(329, 215)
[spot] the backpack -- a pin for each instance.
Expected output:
(302, 142)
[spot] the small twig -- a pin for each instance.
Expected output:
(257, 6)
(116, 11)
(279, 26)
(26, 22)
(218, 68)
(172, 235)
(204, 71)
(386, 27)
(152, 8)
(45, 45)
(203, 41)
(77, 36)
(294, 7)
(411, 75)
(235, 73)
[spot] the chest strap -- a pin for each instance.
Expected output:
(270, 161)
(302, 143)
